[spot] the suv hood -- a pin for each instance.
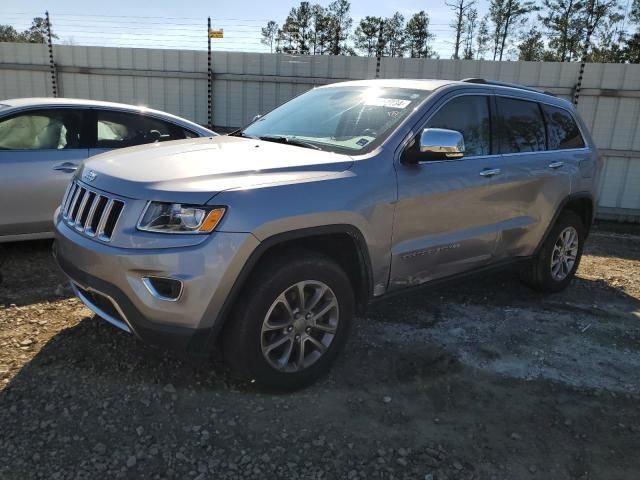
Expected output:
(194, 170)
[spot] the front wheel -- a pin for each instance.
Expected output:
(555, 265)
(292, 322)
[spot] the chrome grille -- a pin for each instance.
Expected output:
(91, 212)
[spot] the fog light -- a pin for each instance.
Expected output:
(163, 288)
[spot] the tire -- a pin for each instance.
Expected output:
(268, 311)
(540, 274)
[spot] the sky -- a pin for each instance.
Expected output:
(182, 24)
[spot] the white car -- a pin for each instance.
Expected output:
(43, 141)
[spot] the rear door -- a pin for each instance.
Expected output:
(533, 180)
(444, 223)
(118, 129)
(39, 151)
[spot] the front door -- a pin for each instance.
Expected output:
(444, 223)
(39, 152)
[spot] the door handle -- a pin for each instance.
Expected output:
(490, 172)
(556, 164)
(67, 167)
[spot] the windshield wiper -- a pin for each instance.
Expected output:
(240, 133)
(289, 141)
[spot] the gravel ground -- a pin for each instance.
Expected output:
(481, 379)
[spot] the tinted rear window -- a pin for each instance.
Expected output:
(522, 126)
(562, 130)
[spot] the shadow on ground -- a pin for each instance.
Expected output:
(29, 274)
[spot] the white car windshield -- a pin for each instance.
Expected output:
(338, 119)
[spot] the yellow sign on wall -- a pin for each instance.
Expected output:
(216, 33)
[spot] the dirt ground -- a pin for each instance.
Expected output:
(478, 380)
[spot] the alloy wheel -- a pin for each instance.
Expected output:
(299, 326)
(564, 254)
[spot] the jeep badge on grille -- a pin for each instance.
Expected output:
(89, 176)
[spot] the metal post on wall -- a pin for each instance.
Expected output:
(209, 76)
(379, 49)
(52, 65)
(585, 51)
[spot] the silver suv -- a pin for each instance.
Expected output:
(268, 240)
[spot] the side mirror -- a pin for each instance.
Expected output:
(441, 144)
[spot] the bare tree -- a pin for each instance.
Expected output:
(470, 25)
(269, 34)
(460, 9)
(505, 16)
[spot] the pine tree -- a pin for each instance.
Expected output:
(531, 46)
(418, 36)
(564, 23)
(320, 37)
(339, 26)
(394, 36)
(366, 35)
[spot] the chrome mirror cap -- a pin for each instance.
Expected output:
(449, 144)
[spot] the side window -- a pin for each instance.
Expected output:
(41, 130)
(469, 115)
(562, 130)
(121, 129)
(188, 133)
(522, 126)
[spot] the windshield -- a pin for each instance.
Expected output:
(338, 119)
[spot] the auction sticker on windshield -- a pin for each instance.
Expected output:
(388, 102)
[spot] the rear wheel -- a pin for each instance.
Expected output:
(555, 265)
(292, 322)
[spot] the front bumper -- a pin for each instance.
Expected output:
(109, 280)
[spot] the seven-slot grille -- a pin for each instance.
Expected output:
(91, 212)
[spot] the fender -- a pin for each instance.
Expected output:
(364, 261)
(561, 207)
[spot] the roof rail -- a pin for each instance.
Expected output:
(484, 81)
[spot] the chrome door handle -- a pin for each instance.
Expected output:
(556, 164)
(490, 172)
(68, 167)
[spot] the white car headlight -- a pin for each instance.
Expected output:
(179, 218)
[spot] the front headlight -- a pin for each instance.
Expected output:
(179, 218)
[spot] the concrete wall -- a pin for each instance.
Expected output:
(250, 83)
